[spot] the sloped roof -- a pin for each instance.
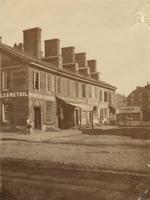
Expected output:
(45, 65)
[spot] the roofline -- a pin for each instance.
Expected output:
(63, 73)
(48, 66)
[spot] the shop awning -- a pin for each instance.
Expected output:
(84, 107)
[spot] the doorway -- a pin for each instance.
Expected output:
(76, 117)
(37, 118)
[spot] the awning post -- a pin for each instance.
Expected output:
(80, 118)
(92, 120)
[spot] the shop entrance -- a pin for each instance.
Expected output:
(37, 117)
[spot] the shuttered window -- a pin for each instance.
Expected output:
(49, 112)
(83, 90)
(50, 83)
(59, 85)
(5, 112)
(6, 80)
(36, 80)
(76, 89)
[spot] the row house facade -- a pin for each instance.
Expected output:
(59, 89)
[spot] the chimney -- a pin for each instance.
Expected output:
(92, 65)
(52, 47)
(68, 55)
(18, 46)
(72, 67)
(80, 58)
(52, 52)
(95, 75)
(32, 41)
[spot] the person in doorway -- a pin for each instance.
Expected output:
(28, 125)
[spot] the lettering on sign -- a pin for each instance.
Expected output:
(41, 96)
(129, 109)
(92, 102)
(13, 94)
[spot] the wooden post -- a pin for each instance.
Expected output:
(92, 120)
(80, 118)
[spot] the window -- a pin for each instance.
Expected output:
(95, 92)
(83, 90)
(110, 98)
(36, 80)
(95, 108)
(140, 93)
(140, 99)
(50, 83)
(5, 112)
(59, 85)
(6, 80)
(105, 96)
(90, 91)
(68, 87)
(77, 89)
(49, 112)
(132, 100)
(100, 95)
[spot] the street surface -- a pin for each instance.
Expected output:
(69, 165)
(33, 182)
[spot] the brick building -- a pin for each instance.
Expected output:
(141, 97)
(60, 89)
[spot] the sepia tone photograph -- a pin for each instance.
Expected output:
(75, 100)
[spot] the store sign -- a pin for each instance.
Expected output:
(92, 101)
(129, 109)
(73, 100)
(40, 96)
(13, 94)
(26, 94)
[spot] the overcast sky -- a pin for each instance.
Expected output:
(106, 29)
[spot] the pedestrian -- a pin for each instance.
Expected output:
(28, 125)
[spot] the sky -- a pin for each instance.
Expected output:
(107, 30)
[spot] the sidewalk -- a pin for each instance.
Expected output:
(75, 137)
(38, 136)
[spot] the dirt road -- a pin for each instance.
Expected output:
(25, 181)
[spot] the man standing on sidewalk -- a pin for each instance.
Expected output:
(28, 125)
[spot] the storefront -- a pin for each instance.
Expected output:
(16, 107)
(129, 116)
(73, 112)
(42, 111)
